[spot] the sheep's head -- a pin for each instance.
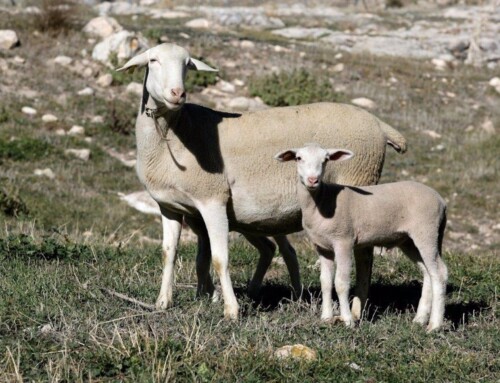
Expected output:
(167, 68)
(311, 161)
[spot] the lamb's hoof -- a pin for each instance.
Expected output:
(215, 296)
(422, 320)
(231, 313)
(433, 327)
(356, 308)
(163, 303)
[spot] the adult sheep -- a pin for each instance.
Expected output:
(217, 170)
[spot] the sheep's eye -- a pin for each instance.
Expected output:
(153, 60)
(298, 158)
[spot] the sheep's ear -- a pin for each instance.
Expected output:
(338, 154)
(136, 61)
(287, 155)
(200, 65)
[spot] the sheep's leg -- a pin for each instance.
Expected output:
(425, 302)
(203, 259)
(364, 264)
(292, 264)
(266, 250)
(172, 224)
(326, 259)
(343, 260)
(214, 215)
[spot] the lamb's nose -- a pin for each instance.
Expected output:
(312, 180)
(178, 92)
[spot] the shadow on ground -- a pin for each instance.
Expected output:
(383, 298)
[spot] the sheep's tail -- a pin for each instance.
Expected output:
(393, 137)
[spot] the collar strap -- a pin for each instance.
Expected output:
(155, 113)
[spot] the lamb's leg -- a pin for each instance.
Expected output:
(203, 259)
(266, 250)
(326, 259)
(343, 260)
(172, 224)
(292, 264)
(215, 217)
(364, 264)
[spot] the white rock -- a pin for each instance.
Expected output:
(47, 172)
(134, 88)
(364, 103)
(488, 126)
(225, 86)
(158, 14)
(19, 60)
(63, 60)
(60, 132)
(88, 139)
(338, 67)
(431, 133)
(393, 80)
(46, 328)
(200, 23)
(86, 92)
(102, 26)
(49, 118)
(296, 351)
(338, 56)
(124, 43)
(28, 110)
(76, 130)
(238, 82)
(97, 119)
(105, 80)
(81, 154)
(495, 81)
(247, 44)
(87, 72)
(8, 39)
(142, 202)
(439, 64)
(244, 103)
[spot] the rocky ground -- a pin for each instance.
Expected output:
(246, 41)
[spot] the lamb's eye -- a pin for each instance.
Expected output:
(298, 158)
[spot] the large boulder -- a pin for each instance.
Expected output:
(124, 44)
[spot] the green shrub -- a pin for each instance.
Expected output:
(120, 117)
(57, 16)
(393, 3)
(291, 88)
(24, 149)
(197, 80)
(11, 204)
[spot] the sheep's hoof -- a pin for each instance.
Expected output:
(253, 290)
(422, 320)
(163, 303)
(356, 308)
(215, 296)
(231, 313)
(433, 327)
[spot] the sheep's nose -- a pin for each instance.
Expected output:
(178, 92)
(312, 180)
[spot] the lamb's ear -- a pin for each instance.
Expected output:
(136, 61)
(338, 154)
(200, 65)
(287, 155)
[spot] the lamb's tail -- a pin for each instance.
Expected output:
(394, 138)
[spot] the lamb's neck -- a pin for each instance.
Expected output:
(322, 200)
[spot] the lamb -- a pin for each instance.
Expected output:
(339, 219)
(216, 170)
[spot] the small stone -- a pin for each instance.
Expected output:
(134, 88)
(364, 103)
(28, 110)
(393, 80)
(450, 94)
(496, 227)
(354, 366)
(63, 61)
(238, 82)
(247, 44)
(469, 128)
(105, 80)
(8, 39)
(19, 60)
(495, 83)
(184, 35)
(76, 130)
(47, 172)
(225, 86)
(102, 26)
(81, 154)
(87, 72)
(86, 92)
(439, 64)
(97, 119)
(431, 133)
(438, 148)
(60, 132)
(338, 67)
(488, 126)
(49, 118)
(338, 56)
(296, 351)
(88, 140)
(405, 173)
(200, 23)
(46, 328)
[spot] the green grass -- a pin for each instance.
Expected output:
(57, 323)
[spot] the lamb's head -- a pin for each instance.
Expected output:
(167, 67)
(311, 161)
